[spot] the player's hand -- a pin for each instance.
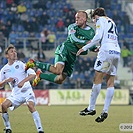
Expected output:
(79, 52)
(97, 49)
(21, 84)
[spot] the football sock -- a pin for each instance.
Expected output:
(49, 77)
(108, 98)
(43, 66)
(37, 121)
(5, 117)
(95, 91)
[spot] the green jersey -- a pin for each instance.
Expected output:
(78, 37)
(66, 52)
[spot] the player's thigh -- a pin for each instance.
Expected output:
(60, 78)
(103, 62)
(59, 66)
(98, 78)
(6, 104)
(110, 80)
(31, 106)
(16, 101)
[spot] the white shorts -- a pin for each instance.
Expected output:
(21, 98)
(107, 62)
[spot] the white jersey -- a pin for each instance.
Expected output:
(16, 71)
(106, 34)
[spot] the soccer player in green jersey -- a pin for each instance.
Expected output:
(79, 34)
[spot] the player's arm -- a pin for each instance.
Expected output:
(98, 36)
(3, 82)
(96, 39)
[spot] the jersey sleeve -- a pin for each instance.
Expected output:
(98, 36)
(72, 35)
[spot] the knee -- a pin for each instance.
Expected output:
(58, 72)
(59, 81)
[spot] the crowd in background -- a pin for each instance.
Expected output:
(48, 21)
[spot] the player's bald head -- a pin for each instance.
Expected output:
(83, 13)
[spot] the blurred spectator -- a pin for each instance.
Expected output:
(51, 40)
(21, 8)
(23, 17)
(126, 23)
(44, 19)
(9, 25)
(60, 25)
(13, 36)
(13, 8)
(27, 25)
(86, 64)
(21, 55)
(5, 31)
(125, 43)
(9, 3)
(125, 53)
(44, 39)
(117, 18)
(34, 25)
(117, 83)
(41, 56)
(70, 16)
(2, 42)
(33, 41)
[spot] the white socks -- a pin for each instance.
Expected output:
(37, 121)
(95, 91)
(108, 99)
(5, 117)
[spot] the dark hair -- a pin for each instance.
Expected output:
(99, 11)
(8, 48)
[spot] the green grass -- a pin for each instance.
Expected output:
(66, 119)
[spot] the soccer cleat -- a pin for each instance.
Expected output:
(41, 132)
(102, 117)
(87, 112)
(7, 131)
(37, 78)
(29, 64)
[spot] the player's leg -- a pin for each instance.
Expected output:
(112, 69)
(108, 98)
(90, 110)
(35, 115)
(57, 75)
(5, 105)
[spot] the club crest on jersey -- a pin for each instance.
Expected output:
(98, 26)
(72, 31)
(17, 66)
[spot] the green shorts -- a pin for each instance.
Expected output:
(63, 55)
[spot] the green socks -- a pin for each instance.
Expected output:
(43, 66)
(49, 77)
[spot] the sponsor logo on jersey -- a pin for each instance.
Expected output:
(98, 26)
(17, 66)
(72, 31)
(112, 37)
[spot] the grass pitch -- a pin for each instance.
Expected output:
(66, 119)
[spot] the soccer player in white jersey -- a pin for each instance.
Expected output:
(14, 74)
(106, 62)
